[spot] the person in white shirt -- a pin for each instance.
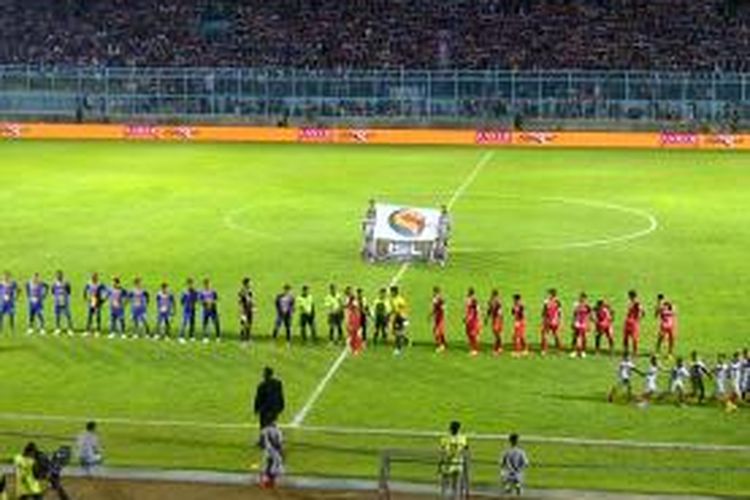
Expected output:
(624, 373)
(735, 381)
(720, 373)
(651, 389)
(89, 450)
(512, 465)
(680, 374)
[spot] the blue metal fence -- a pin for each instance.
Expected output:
(410, 97)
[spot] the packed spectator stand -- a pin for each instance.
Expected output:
(691, 35)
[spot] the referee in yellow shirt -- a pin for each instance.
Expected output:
(399, 319)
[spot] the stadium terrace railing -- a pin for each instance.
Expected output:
(714, 101)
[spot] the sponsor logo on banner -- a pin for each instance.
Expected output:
(728, 141)
(10, 130)
(315, 134)
(407, 222)
(679, 139)
(540, 138)
(141, 132)
(184, 133)
(489, 136)
(359, 135)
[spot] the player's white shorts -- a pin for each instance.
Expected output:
(651, 385)
(678, 385)
(737, 386)
(720, 387)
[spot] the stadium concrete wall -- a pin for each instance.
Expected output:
(467, 137)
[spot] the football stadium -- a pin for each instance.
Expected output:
(374, 248)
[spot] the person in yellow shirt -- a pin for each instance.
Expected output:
(306, 306)
(28, 486)
(399, 319)
(334, 305)
(453, 450)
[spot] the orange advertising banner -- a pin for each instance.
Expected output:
(467, 137)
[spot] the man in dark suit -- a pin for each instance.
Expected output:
(269, 398)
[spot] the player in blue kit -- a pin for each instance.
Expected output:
(189, 302)
(36, 292)
(209, 298)
(139, 299)
(117, 297)
(164, 311)
(94, 293)
(8, 294)
(61, 297)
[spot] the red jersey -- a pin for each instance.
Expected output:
(438, 309)
(604, 317)
(666, 318)
(494, 309)
(634, 312)
(472, 310)
(495, 313)
(519, 313)
(581, 315)
(551, 311)
(353, 314)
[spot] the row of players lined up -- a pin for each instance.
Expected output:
(388, 311)
(731, 379)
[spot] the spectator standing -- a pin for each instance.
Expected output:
(88, 447)
(512, 465)
(269, 398)
(271, 441)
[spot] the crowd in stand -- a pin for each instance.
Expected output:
(704, 35)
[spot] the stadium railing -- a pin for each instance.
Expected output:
(387, 97)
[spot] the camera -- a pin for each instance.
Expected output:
(50, 467)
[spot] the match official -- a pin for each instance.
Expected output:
(269, 398)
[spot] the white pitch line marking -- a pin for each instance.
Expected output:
(300, 416)
(231, 224)
(366, 431)
(653, 225)
(619, 443)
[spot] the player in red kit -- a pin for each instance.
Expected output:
(438, 319)
(494, 317)
(472, 323)
(353, 322)
(667, 326)
(632, 329)
(520, 347)
(581, 318)
(604, 324)
(551, 319)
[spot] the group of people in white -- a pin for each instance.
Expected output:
(687, 380)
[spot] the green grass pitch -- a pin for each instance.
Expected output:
(529, 220)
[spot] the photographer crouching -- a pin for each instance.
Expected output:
(35, 471)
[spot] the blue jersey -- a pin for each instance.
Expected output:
(36, 292)
(8, 292)
(165, 303)
(139, 299)
(208, 298)
(61, 293)
(188, 300)
(94, 293)
(117, 296)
